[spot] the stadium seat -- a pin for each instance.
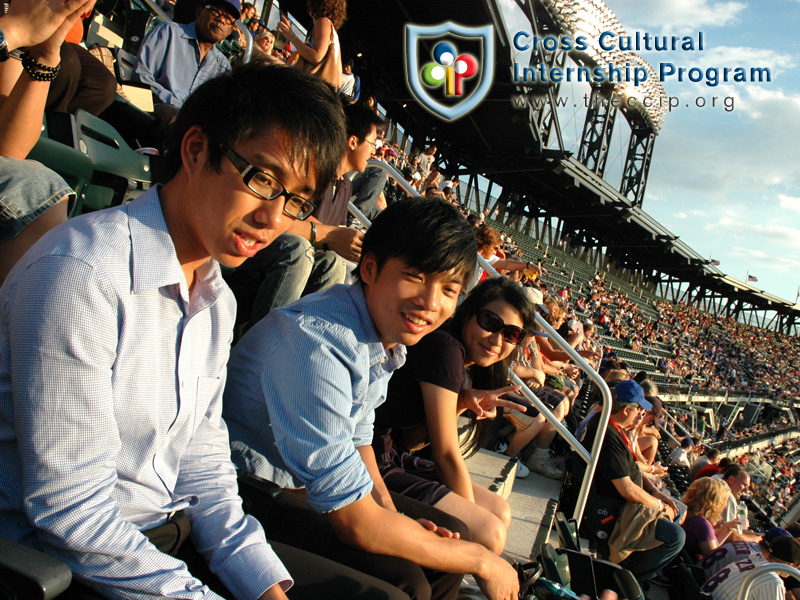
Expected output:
(75, 167)
(258, 494)
(27, 574)
(567, 532)
(605, 575)
(120, 173)
(555, 565)
(689, 580)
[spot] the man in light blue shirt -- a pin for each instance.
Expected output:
(300, 403)
(176, 59)
(115, 331)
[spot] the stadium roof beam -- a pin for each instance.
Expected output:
(597, 129)
(637, 164)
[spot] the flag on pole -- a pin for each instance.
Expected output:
(715, 263)
(751, 278)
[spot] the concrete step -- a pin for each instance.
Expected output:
(493, 471)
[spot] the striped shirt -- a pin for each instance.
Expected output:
(110, 410)
(725, 583)
(302, 390)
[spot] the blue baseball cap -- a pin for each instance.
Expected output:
(232, 6)
(630, 391)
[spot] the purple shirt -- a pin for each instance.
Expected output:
(698, 529)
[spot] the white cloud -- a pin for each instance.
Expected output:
(788, 201)
(780, 235)
(677, 15)
(680, 215)
(765, 263)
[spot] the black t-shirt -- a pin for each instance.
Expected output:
(616, 460)
(438, 359)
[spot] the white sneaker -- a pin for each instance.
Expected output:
(522, 471)
(547, 467)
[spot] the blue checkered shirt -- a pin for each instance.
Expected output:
(110, 410)
(303, 385)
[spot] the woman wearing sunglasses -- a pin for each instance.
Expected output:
(456, 369)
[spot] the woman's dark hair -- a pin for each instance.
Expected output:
(255, 99)
(496, 375)
(335, 10)
(428, 235)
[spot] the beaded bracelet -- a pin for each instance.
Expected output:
(37, 70)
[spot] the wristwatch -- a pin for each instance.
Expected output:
(3, 47)
(4, 53)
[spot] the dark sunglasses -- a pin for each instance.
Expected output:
(488, 321)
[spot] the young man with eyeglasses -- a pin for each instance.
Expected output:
(310, 256)
(175, 59)
(115, 331)
(300, 403)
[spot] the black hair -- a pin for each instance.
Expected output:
(732, 471)
(496, 375)
(360, 120)
(428, 235)
(254, 99)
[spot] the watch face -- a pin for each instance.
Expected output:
(3, 47)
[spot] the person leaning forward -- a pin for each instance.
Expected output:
(300, 404)
(111, 380)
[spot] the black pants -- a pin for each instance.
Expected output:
(315, 577)
(293, 521)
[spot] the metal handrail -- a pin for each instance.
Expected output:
(590, 458)
(248, 47)
(605, 413)
(157, 10)
(750, 578)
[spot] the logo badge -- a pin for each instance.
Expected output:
(447, 69)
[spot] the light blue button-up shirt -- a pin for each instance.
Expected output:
(169, 62)
(303, 385)
(111, 386)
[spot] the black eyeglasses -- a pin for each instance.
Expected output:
(488, 321)
(219, 13)
(373, 144)
(267, 187)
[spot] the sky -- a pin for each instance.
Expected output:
(728, 182)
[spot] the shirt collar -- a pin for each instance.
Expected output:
(155, 263)
(377, 353)
(189, 31)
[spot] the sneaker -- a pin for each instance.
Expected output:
(501, 445)
(522, 471)
(547, 467)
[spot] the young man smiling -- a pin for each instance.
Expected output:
(115, 331)
(301, 396)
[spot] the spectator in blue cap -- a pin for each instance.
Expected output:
(619, 479)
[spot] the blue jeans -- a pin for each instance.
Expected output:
(281, 273)
(28, 189)
(645, 564)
